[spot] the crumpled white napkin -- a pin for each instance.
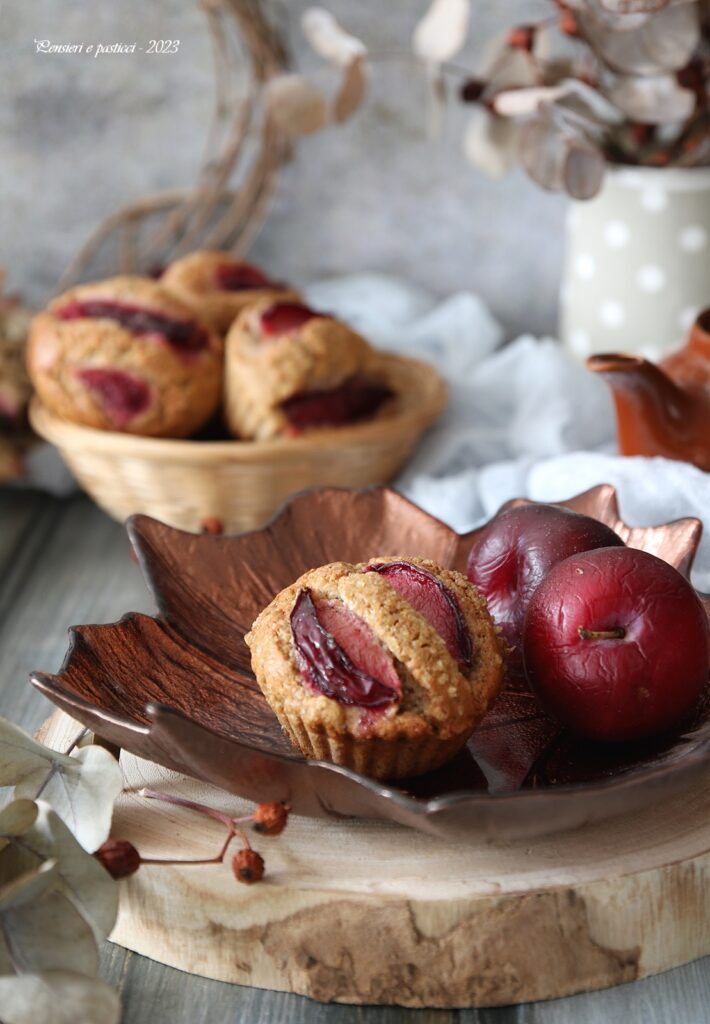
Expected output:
(525, 421)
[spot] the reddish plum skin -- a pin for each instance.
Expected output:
(616, 689)
(512, 555)
(283, 317)
(352, 401)
(428, 595)
(122, 395)
(183, 335)
(238, 277)
(324, 663)
(358, 642)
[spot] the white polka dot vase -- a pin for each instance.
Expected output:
(637, 268)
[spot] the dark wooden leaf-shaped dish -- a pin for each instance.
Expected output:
(178, 688)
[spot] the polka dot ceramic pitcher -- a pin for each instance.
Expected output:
(637, 268)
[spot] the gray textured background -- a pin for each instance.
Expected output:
(82, 136)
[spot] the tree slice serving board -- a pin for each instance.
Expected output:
(369, 912)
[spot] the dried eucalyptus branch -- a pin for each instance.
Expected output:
(58, 900)
(603, 81)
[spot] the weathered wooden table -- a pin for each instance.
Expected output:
(65, 562)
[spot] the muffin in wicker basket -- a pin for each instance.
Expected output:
(124, 354)
(126, 376)
(291, 369)
(217, 287)
(15, 386)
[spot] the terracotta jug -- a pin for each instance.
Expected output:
(664, 409)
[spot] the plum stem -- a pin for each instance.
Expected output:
(617, 633)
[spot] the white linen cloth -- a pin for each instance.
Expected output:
(524, 421)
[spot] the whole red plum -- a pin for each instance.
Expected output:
(616, 644)
(512, 555)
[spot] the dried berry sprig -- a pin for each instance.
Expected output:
(212, 525)
(121, 859)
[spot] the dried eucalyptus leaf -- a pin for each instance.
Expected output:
(583, 170)
(329, 40)
(351, 92)
(594, 13)
(653, 100)
(80, 876)
(633, 6)
(17, 817)
(16, 890)
(20, 755)
(489, 142)
(664, 42)
(58, 997)
(516, 71)
(494, 51)
(560, 55)
(583, 99)
(442, 31)
(543, 151)
(82, 791)
(294, 106)
(523, 102)
(46, 933)
(672, 36)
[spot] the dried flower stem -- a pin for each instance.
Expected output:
(232, 825)
(192, 805)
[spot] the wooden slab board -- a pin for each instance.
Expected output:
(368, 912)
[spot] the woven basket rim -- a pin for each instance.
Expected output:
(421, 407)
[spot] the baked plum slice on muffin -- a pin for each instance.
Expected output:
(183, 335)
(217, 287)
(124, 354)
(291, 369)
(386, 667)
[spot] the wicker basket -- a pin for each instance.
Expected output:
(242, 483)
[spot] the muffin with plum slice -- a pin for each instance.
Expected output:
(385, 667)
(291, 369)
(124, 354)
(217, 287)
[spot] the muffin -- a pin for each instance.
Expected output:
(15, 388)
(217, 287)
(290, 369)
(124, 354)
(386, 667)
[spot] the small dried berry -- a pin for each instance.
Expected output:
(211, 524)
(522, 37)
(119, 857)
(641, 132)
(248, 866)
(660, 158)
(568, 22)
(270, 819)
(472, 90)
